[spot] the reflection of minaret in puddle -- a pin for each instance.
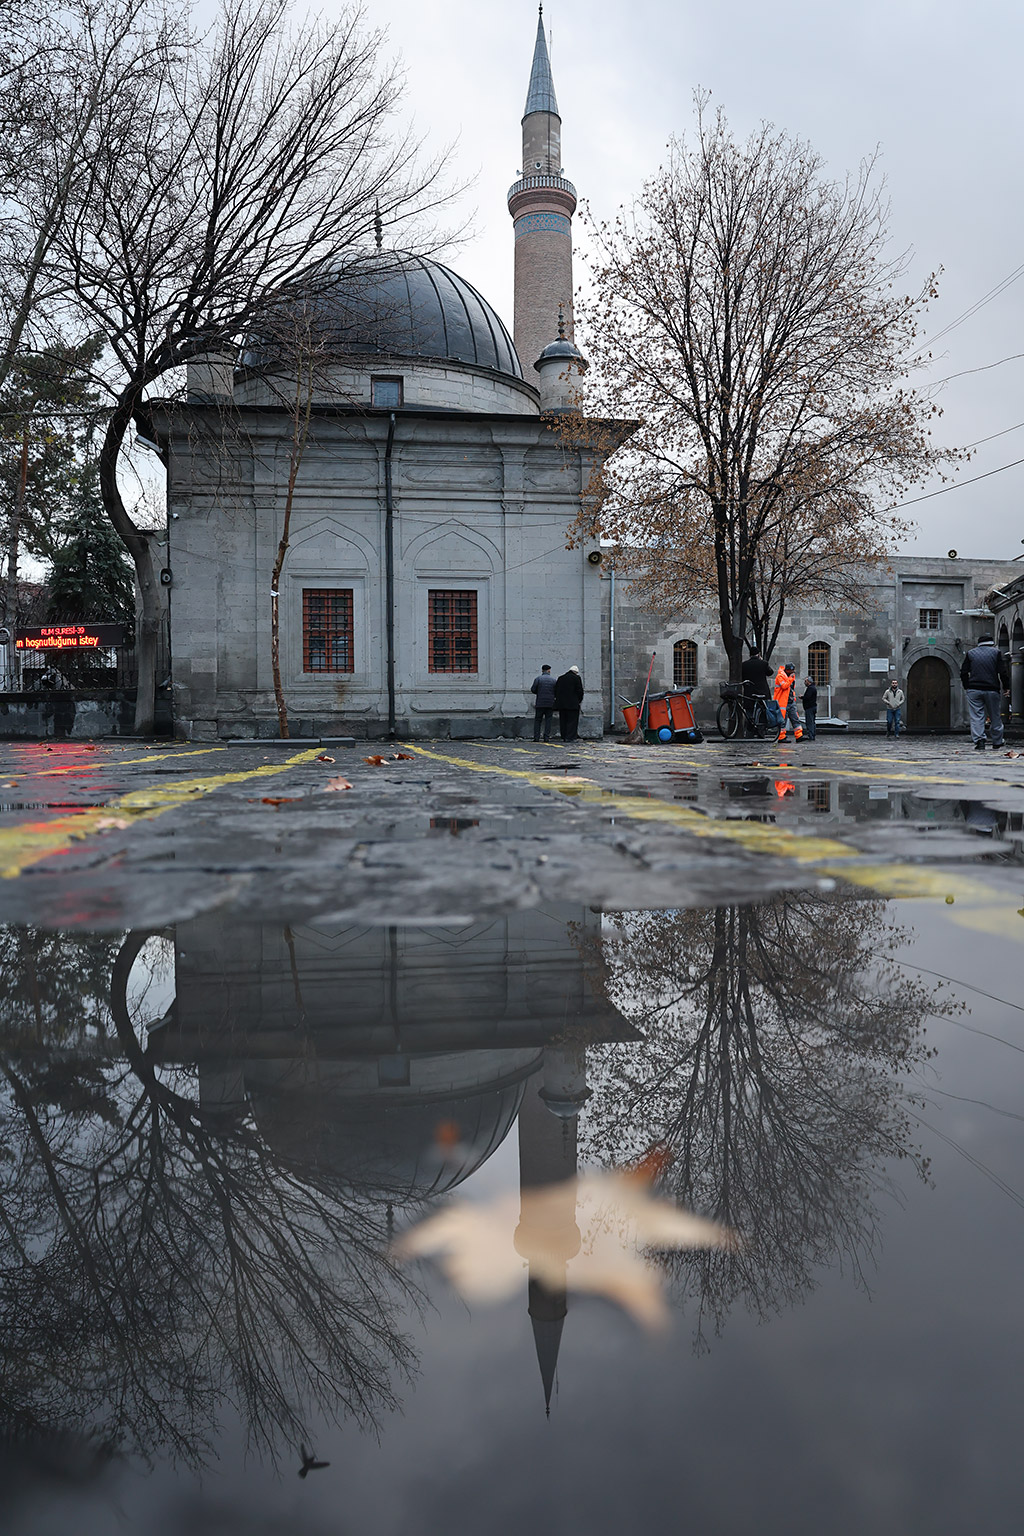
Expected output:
(547, 1155)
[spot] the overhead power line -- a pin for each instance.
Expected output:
(991, 439)
(983, 368)
(972, 309)
(958, 486)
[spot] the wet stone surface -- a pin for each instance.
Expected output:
(257, 1027)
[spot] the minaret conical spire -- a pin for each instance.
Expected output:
(541, 95)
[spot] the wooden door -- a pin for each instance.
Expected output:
(928, 695)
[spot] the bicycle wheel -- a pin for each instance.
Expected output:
(760, 720)
(728, 718)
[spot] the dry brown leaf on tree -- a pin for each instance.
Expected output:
(587, 1234)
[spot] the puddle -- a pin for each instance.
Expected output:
(213, 1133)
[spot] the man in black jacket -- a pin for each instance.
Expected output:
(986, 677)
(568, 698)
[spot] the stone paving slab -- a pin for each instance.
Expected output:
(129, 836)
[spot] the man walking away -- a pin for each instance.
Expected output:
(785, 688)
(568, 698)
(544, 704)
(986, 677)
(756, 674)
(810, 704)
(892, 698)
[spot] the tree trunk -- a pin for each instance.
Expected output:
(141, 550)
(14, 537)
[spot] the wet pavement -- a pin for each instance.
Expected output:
(258, 1026)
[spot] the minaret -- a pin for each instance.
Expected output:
(547, 1155)
(542, 204)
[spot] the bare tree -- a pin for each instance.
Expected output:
(773, 1073)
(747, 315)
(238, 171)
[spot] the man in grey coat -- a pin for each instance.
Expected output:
(986, 677)
(543, 688)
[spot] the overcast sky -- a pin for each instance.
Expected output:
(935, 85)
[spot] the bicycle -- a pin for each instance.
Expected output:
(737, 706)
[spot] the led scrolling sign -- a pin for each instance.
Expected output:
(69, 637)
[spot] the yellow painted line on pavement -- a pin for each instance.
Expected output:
(835, 858)
(122, 762)
(31, 842)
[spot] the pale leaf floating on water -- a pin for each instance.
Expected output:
(585, 1234)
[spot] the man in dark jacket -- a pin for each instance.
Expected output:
(568, 698)
(757, 674)
(810, 704)
(544, 687)
(986, 677)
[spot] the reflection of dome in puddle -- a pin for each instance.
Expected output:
(400, 1139)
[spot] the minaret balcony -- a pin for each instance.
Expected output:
(542, 189)
(538, 180)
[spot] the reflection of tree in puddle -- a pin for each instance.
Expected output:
(159, 1261)
(776, 1040)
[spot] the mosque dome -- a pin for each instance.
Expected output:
(384, 1143)
(410, 307)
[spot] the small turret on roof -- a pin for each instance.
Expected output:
(541, 95)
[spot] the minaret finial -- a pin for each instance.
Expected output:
(378, 227)
(561, 322)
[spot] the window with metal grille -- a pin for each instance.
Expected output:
(327, 640)
(819, 663)
(452, 632)
(684, 664)
(929, 618)
(385, 392)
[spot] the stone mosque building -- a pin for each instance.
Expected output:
(427, 577)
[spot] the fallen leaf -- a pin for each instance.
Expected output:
(403, 757)
(11, 784)
(338, 783)
(323, 758)
(375, 762)
(1011, 754)
(110, 823)
(587, 1234)
(379, 759)
(282, 800)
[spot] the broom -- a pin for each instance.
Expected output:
(636, 735)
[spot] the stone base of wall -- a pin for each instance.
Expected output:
(422, 728)
(66, 715)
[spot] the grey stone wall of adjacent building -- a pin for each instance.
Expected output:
(889, 629)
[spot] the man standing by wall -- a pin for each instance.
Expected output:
(986, 677)
(568, 698)
(543, 686)
(892, 698)
(810, 704)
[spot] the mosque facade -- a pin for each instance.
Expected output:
(426, 578)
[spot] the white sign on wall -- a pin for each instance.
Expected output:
(879, 664)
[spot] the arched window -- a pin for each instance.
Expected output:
(1018, 633)
(1004, 638)
(684, 664)
(819, 663)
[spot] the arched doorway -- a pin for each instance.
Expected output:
(928, 695)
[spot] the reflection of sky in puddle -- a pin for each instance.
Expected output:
(801, 1060)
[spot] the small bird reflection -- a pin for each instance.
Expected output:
(310, 1463)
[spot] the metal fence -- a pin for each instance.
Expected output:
(40, 672)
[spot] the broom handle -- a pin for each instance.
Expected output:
(647, 685)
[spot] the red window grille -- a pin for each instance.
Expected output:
(684, 664)
(452, 637)
(327, 638)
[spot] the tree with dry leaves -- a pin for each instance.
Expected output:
(746, 314)
(239, 170)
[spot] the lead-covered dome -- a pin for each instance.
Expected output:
(408, 306)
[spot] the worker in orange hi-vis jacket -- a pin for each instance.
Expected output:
(785, 698)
